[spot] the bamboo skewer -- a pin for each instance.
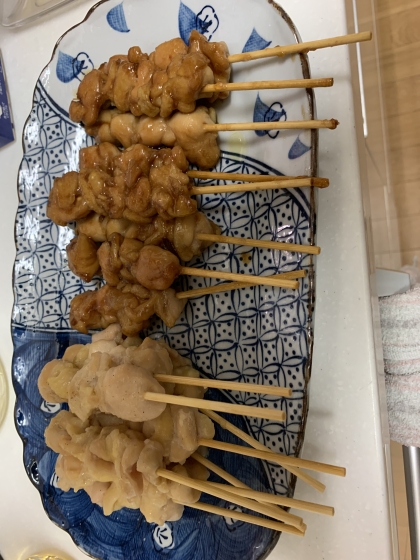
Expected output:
(241, 488)
(247, 177)
(270, 456)
(225, 385)
(268, 84)
(249, 278)
(240, 409)
(218, 470)
(262, 244)
(246, 517)
(228, 286)
(278, 500)
(203, 486)
(310, 480)
(302, 47)
(278, 125)
(263, 186)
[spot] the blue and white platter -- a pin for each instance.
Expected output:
(258, 334)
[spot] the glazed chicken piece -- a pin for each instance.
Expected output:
(130, 305)
(184, 130)
(156, 268)
(180, 234)
(117, 255)
(100, 228)
(184, 239)
(100, 157)
(144, 183)
(66, 202)
(218, 53)
(170, 79)
(82, 257)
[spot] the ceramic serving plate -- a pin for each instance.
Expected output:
(254, 335)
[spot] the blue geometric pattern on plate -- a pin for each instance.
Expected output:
(116, 19)
(298, 149)
(264, 113)
(206, 22)
(256, 42)
(255, 335)
(69, 67)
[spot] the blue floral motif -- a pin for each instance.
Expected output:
(206, 22)
(116, 19)
(69, 67)
(264, 113)
(255, 42)
(298, 149)
(163, 536)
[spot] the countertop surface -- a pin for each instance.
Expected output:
(344, 425)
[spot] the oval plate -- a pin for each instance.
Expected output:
(255, 335)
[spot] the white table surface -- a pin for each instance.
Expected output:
(344, 421)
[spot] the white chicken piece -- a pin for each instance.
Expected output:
(112, 442)
(122, 390)
(178, 430)
(158, 507)
(185, 494)
(77, 354)
(112, 333)
(55, 379)
(149, 461)
(115, 390)
(82, 396)
(117, 468)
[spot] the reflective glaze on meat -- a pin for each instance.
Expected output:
(122, 242)
(82, 257)
(137, 184)
(130, 305)
(156, 268)
(170, 79)
(66, 202)
(184, 130)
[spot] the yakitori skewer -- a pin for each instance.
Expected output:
(245, 177)
(275, 499)
(225, 385)
(240, 488)
(220, 493)
(302, 47)
(234, 482)
(263, 186)
(281, 125)
(305, 477)
(268, 84)
(270, 456)
(260, 243)
(229, 286)
(241, 409)
(249, 278)
(246, 517)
